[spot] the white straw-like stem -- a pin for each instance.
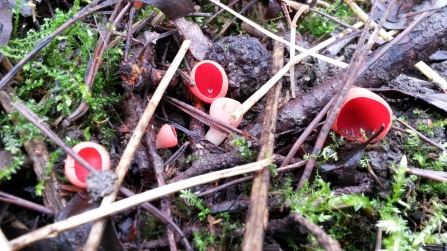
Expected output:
(292, 48)
(364, 17)
(280, 39)
(431, 74)
(95, 214)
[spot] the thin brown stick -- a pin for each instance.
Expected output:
(161, 216)
(325, 241)
(257, 212)
(428, 174)
(45, 129)
(420, 135)
(9, 198)
(379, 239)
(216, 14)
(157, 164)
(95, 63)
(203, 117)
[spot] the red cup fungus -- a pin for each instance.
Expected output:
(363, 109)
(221, 109)
(210, 80)
(166, 137)
(91, 152)
(137, 5)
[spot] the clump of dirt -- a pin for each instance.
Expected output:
(245, 61)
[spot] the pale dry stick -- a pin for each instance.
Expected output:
(379, 239)
(4, 242)
(431, 75)
(255, 97)
(293, 26)
(101, 212)
(421, 66)
(280, 39)
(429, 174)
(121, 170)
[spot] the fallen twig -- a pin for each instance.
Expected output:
(431, 142)
(257, 212)
(325, 241)
(101, 212)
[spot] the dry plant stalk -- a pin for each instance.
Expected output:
(4, 242)
(101, 212)
(123, 165)
(293, 25)
(257, 214)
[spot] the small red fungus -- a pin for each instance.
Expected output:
(137, 5)
(362, 109)
(166, 137)
(91, 152)
(210, 79)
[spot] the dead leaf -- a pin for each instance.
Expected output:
(200, 44)
(5, 22)
(439, 100)
(75, 239)
(172, 8)
(401, 14)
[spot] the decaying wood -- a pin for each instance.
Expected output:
(427, 37)
(257, 215)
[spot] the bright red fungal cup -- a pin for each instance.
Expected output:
(137, 5)
(211, 81)
(91, 152)
(166, 137)
(363, 109)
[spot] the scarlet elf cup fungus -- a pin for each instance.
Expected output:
(210, 81)
(220, 109)
(362, 109)
(91, 152)
(166, 137)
